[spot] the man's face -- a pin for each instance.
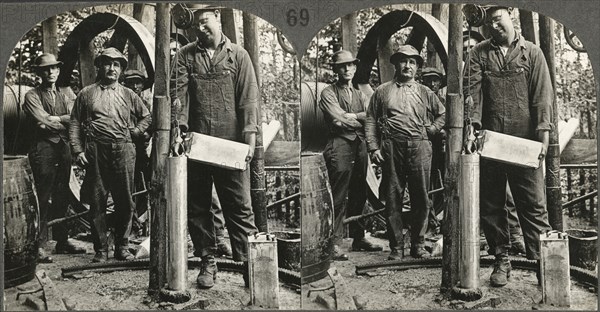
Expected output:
(433, 82)
(345, 71)
(135, 84)
(110, 70)
(467, 45)
(500, 25)
(49, 74)
(174, 46)
(208, 25)
(406, 68)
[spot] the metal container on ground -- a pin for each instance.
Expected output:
(263, 272)
(317, 218)
(554, 269)
(21, 221)
(288, 249)
(583, 248)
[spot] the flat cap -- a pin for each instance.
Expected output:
(405, 51)
(111, 53)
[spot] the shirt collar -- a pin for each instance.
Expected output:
(344, 86)
(111, 86)
(402, 84)
(51, 88)
(225, 43)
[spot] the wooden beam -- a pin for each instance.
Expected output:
(454, 127)
(384, 52)
(161, 117)
(553, 191)
(228, 25)
(50, 35)
(580, 151)
(87, 70)
(527, 25)
(433, 59)
(257, 165)
(349, 33)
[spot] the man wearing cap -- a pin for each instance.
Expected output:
(49, 106)
(344, 108)
(106, 119)
(215, 92)
(511, 93)
(397, 131)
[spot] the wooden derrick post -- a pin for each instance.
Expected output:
(228, 25)
(553, 192)
(433, 59)
(454, 128)
(161, 117)
(257, 165)
(384, 52)
(527, 25)
(349, 33)
(50, 35)
(87, 69)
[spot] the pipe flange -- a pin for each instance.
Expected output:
(175, 296)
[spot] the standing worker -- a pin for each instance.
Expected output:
(106, 119)
(215, 92)
(344, 108)
(509, 82)
(397, 130)
(49, 107)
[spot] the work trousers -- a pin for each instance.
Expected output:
(218, 213)
(513, 218)
(529, 193)
(406, 163)
(110, 169)
(347, 169)
(233, 189)
(51, 167)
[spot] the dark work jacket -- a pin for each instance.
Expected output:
(334, 103)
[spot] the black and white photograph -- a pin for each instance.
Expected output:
(451, 152)
(151, 161)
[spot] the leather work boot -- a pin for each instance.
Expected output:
(419, 252)
(396, 254)
(359, 244)
(501, 272)
(123, 254)
(208, 272)
(68, 248)
(100, 256)
(338, 255)
(223, 249)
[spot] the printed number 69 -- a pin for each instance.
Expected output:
(292, 17)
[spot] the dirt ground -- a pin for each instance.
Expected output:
(419, 289)
(127, 290)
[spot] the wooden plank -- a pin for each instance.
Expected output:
(510, 149)
(283, 153)
(343, 299)
(54, 300)
(217, 152)
(349, 33)
(50, 36)
(580, 151)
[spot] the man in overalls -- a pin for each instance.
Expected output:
(106, 119)
(397, 130)
(215, 92)
(49, 106)
(344, 108)
(512, 92)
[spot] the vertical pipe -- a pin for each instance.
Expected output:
(257, 165)
(468, 218)
(527, 25)
(177, 223)
(349, 33)
(553, 191)
(228, 25)
(570, 190)
(454, 127)
(50, 35)
(161, 115)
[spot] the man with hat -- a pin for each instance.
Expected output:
(49, 106)
(215, 92)
(344, 108)
(435, 80)
(106, 119)
(508, 90)
(397, 131)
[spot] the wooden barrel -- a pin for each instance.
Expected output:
(313, 126)
(317, 218)
(21, 221)
(17, 131)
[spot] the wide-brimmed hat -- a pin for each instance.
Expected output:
(406, 51)
(133, 74)
(342, 57)
(111, 53)
(45, 60)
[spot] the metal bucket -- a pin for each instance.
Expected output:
(317, 218)
(288, 249)
(21, 221)
(583, 250)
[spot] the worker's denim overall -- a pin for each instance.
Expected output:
(506, 109)
(213, 112)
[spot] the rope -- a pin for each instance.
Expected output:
(408, 20)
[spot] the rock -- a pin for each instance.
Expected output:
(326, 301)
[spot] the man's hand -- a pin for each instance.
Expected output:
(250, 138)
(470, 146)
(81, 160)
(544, 137)
(176, 104)
(350, 116)
(376, 157)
